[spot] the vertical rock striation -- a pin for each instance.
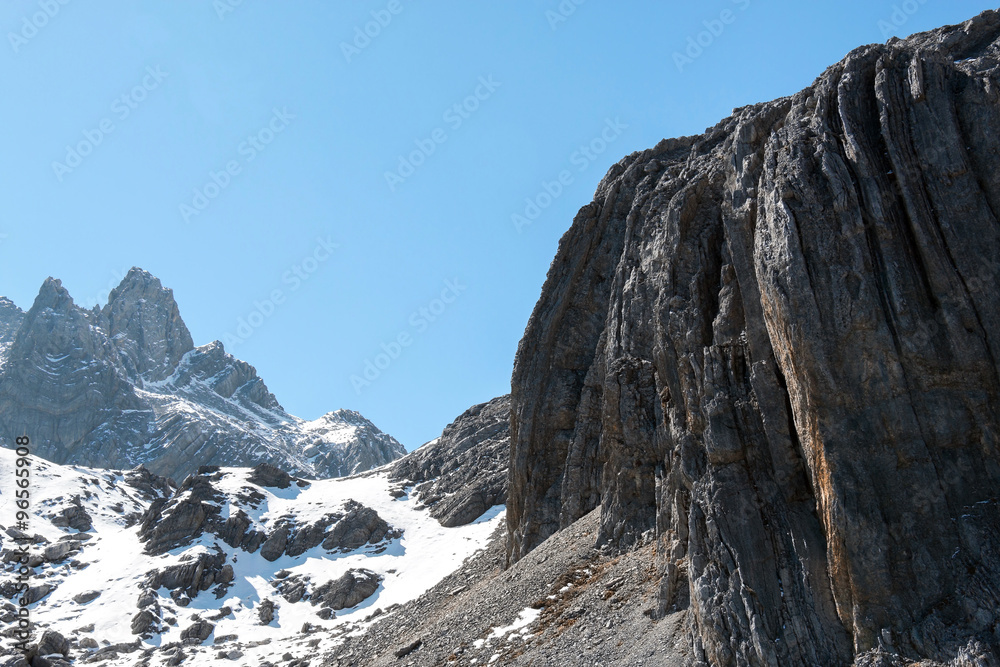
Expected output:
(774, 348)
(463, 473)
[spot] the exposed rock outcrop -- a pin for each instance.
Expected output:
(464, 472)
(11, 318)
(773, 347)
(265, 474)
(197, 574)
(195, 509)
(177, 521)
(144, 322)
(350, 589)
(74, 516)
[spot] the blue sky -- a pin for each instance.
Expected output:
(332, 188)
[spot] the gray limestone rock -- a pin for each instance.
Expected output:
(351, 589)
(360, 526)
(773, 348)
(11, 318)
(265, 474)
(144, 322)
(84, 598)
(274, 546)
(265, 612)
(144, 623)
(53, 643)
(74, 516)
(464, 472)
(197, 573)
(174, 522)
(198, 631)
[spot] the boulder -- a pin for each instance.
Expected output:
(84, 598)
(351, 589)
(265, 474)
(200, 630)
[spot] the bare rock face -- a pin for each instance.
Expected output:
(143, 320)
(198, 632)
(74, 516)
(177, 521)
(198, 573)
(773, 348)
(266, 612)
(359, 526)
(53, 643)
(464, 472)
(11, 318)
(62, 380)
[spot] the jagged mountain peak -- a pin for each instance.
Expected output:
(143, 319)
(124, 385)
(52, 295)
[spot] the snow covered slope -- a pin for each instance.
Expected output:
(247, 564)
(125, 385)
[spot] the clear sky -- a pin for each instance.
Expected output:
(247, 150)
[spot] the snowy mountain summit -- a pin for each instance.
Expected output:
(124, 385)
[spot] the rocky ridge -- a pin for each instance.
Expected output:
(463, 473)
(124, 385)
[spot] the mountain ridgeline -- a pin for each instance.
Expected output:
(773, 348)
(124, 385)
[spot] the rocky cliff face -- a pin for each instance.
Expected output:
(124, 385)
(773, 349)
(10, 321)
(145, 323)
(463, 473)
(63, 380)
